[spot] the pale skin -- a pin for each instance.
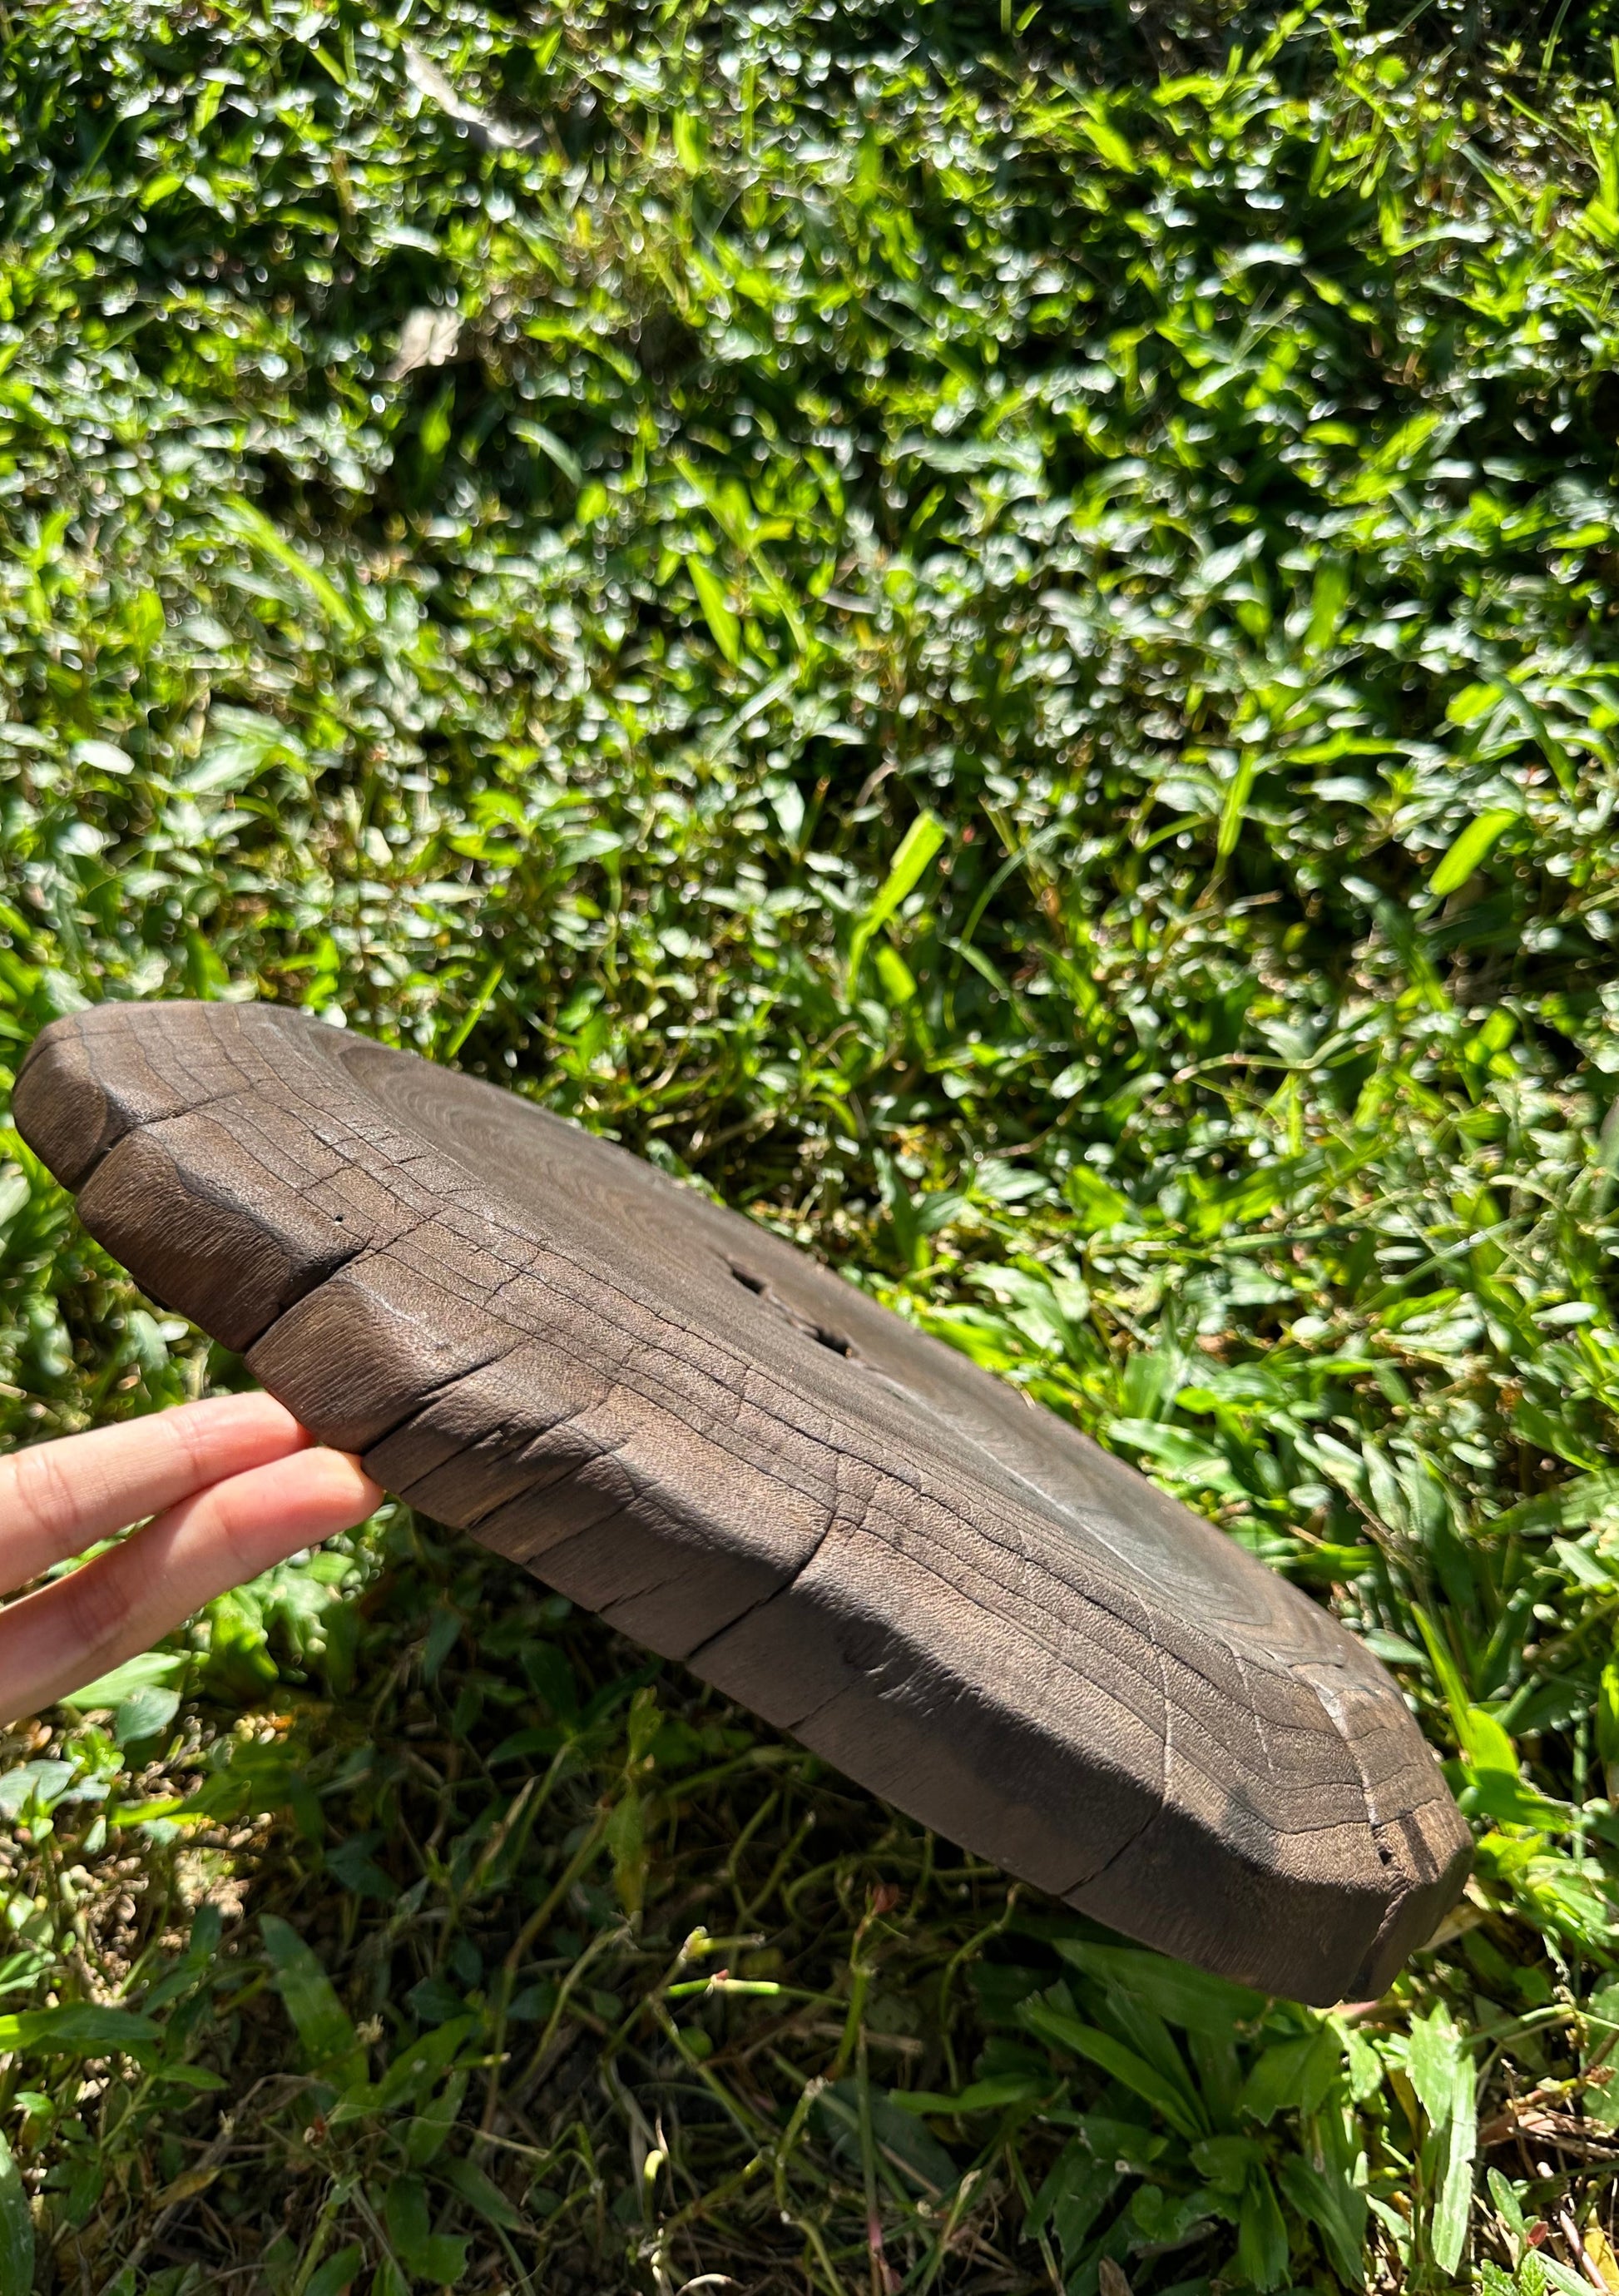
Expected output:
(232, 1486)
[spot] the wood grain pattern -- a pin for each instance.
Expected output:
(674, 1418)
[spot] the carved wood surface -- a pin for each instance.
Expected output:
(675, 1418)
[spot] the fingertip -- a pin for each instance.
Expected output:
(252, 1412)
(314, 1485)
(245, 1525)
(341, 1477)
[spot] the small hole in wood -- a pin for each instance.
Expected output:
(757, 1284)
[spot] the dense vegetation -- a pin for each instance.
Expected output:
(986, 630)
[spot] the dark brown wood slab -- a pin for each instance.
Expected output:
(676, 1419)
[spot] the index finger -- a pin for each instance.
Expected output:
(92, 1619)
(57, 1498)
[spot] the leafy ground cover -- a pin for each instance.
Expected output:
(987, 632)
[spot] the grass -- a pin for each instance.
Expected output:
(988, 632)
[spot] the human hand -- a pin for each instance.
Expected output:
(233, 1485)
